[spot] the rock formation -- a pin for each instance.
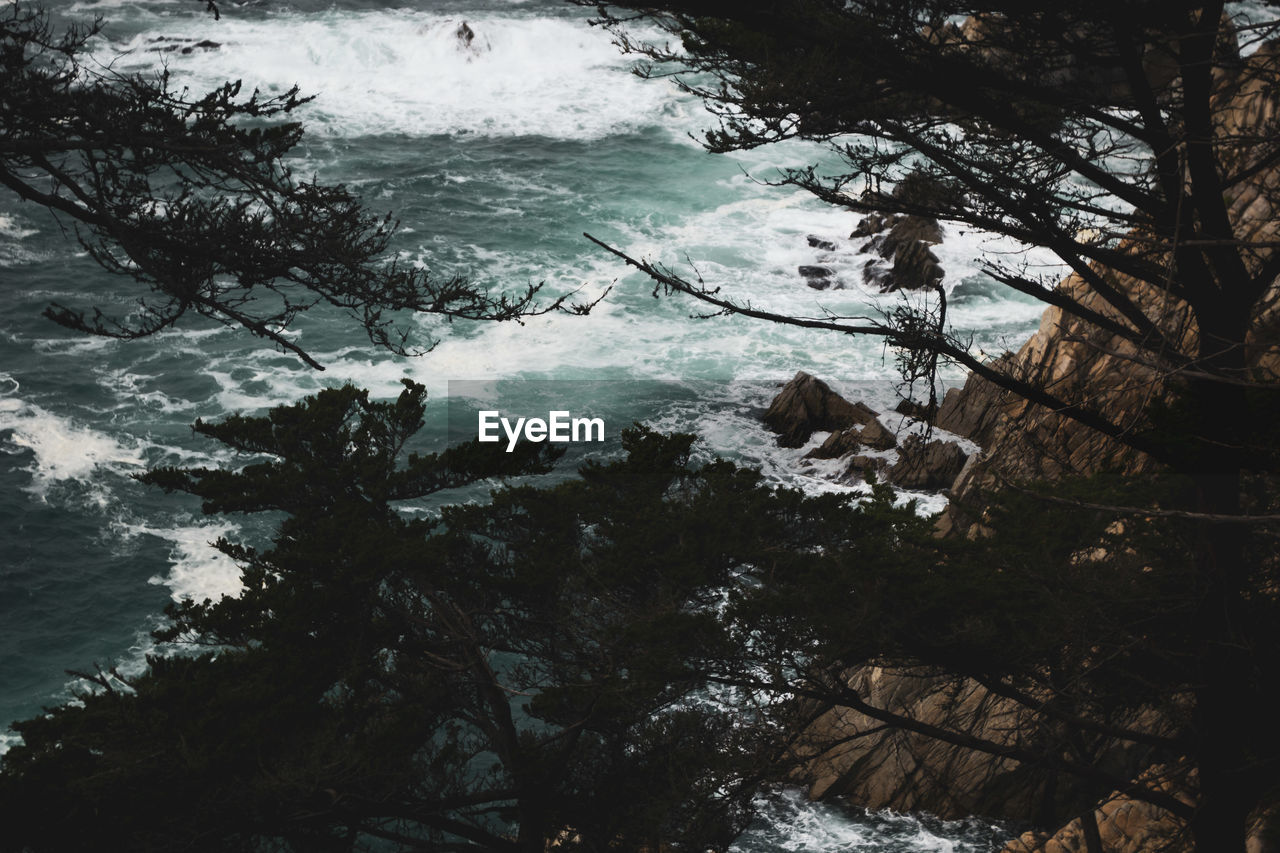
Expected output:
(1022, 441)
(819, 277)
(902, 242)
(807, 405)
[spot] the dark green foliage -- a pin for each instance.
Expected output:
(532, 669)
(611, 662)
(1118, 137)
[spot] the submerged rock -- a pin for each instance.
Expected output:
(819, 278)
(186, 46)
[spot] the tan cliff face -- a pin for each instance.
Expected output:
(1078, 362)
(1023, 442)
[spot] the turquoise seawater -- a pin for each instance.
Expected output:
(495, 160)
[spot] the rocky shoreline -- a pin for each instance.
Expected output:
(877, 768)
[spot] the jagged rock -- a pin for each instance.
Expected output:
(852, 756)
(807, 405)
(469, 41)
(165, 44)
(906, 247)
(1125, 825)
(838, 444)
(932, 466)
(819, 278)
(874, 223)
(855, 758)
(819, 243)
(912, 229)
(876, 274)
(878, 437)
(905, 243)
(917, 411)
(862, 464)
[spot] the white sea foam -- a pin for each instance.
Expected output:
(11, 228)
(197, 569)
(408, 72)
(62, 449)
(790, 822)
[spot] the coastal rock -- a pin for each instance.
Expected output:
(186, 46)
(878, 437)
(878, 768)
(862, 465)
(917, 411)
(819, 278)
(469, 41)
(839, 443)
(902, 241)
(931, 466)
(807, 405)
(912, 264)
(1125, 825)
(873, 223)
(852, 756)
(817, 242)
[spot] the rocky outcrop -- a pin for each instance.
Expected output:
(1125, 825)
(807, 405)
(1077, 361)
(928, 465)
(186, 46)
(840, 443)
(902, 243)
(819, 277)
(875, 767)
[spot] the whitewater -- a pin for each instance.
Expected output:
(495, 155)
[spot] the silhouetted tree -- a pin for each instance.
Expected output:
(496, 679)
(1139, 145)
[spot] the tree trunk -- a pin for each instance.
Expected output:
(1223, 698)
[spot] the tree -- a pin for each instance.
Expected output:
(192, 198)
(493, 679)
(1135, 142)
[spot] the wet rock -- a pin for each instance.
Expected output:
(166, 44)
(839, 443)
(819, 278)
(862, 465)
(917, 411)
(913, 265)
(930, 466)
(878, 437)
(469, 41)
(807, 405)
(902, 239)
(819, 243)
(874, 223)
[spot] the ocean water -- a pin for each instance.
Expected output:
(495, 159)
